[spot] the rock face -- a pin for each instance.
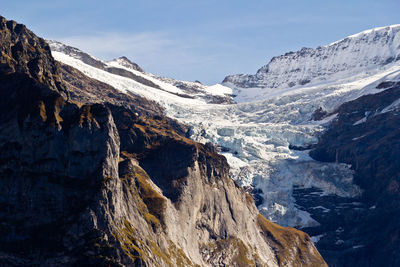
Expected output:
(24, 53)
(366, 135)
(352, 55)
(87, 182)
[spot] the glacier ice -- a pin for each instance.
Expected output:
(255, 134)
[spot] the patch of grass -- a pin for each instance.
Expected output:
(179, 255)
(58, 106)
(42, 111)
(290, 245)
(249, 199)
(136, 249)
(157, 131)
(129, 243)
(150, 204)
(78, 103)
(235, 246)
(127, 154)
(241, 257)
(87, 116)
(157, 252)
(155, 202)
(140, 127)
(151, 219)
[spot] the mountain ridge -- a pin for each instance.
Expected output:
(217, 94)
(266, 138)
(89, 183)
(352, 55)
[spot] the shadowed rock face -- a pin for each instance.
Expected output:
(51, 165)
(24, 52)
(102, 182)
(368, 137)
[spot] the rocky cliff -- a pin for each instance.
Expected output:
(95, 182)
(366, 135)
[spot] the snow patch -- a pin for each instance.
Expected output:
(357, 138)
(218, 90)
(395, 105)
(322, 208)
(363, 120)
(317, 238)
(256, 135)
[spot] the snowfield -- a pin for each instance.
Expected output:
(256, 133)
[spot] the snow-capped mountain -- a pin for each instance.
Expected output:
(91, 175)
(361, 53)
(257, 137)
(280, 113)
(124, 67)
(125, 62)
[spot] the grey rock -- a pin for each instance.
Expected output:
(107, 183)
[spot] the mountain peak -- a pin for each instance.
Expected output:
(356, 54)
(125, 59)
(127, 63)
(370, 32)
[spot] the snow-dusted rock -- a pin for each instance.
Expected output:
(260, 137)
(355, 54)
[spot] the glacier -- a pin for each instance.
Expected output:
(273, 113)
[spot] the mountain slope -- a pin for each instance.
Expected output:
(267, 139)
(359, 54)
(259, 139)
(366, 135)
(88, 182)
(125, 68)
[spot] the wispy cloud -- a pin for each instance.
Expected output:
(116, 44)
(157, 52)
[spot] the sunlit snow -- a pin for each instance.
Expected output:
(256, 133)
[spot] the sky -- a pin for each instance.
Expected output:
(203, 40)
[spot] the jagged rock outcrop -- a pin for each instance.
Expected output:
(124, 61)
(342, 59)
(92, 183)
(24, 53)
(366, 135)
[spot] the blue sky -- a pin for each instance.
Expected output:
(199, 40)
